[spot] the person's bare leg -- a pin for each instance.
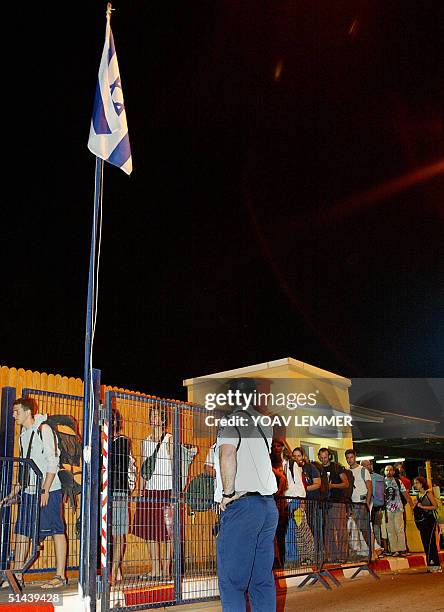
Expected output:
(60, 548)
(118, 551)
(167, 549)
(155, 561)
(21, 553)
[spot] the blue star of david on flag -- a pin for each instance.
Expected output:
(108, 136)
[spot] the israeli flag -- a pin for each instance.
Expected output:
(108, 136)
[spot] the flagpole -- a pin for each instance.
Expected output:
(88, 395)
(108, 141)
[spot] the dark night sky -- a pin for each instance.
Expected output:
(240, 236)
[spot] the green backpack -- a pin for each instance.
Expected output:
(199, 495)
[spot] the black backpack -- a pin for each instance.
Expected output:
(348, 492)
(69, 443)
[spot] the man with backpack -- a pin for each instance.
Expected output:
(396, 497)
(38, 442)
(335, 516)
(361, 499)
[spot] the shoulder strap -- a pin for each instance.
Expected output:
(28, 452)
(363, 473)
(261, 432)
(159, 444)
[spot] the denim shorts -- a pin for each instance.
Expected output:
(51, 516)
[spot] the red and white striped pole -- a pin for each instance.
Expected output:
(104, 496)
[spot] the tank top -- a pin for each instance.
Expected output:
(162, 479)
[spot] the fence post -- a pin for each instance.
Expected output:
(90, 504)
(6, 450)
(7, 422)
(177, 504)
(106, 504)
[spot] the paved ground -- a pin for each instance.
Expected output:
(405, 590)
(412, 590)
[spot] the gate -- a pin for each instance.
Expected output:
(158, 517)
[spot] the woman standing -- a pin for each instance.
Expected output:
(425, 521)
(153, 518)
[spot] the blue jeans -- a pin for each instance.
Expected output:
(245, 554)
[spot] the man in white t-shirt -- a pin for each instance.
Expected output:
(245, 484)
(362, 490)
(361, 499)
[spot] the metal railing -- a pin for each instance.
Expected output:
(20, 491)
(315, 537)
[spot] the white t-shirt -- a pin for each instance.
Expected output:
(360, 489)
(295, 484)
(162, 479)
(254, 471)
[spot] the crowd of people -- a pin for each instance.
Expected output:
(322, 498)
(350, 493)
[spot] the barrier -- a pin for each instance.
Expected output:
(158, 530)
(158, 515)
(314, 538)
(347, 537)
(20, 490)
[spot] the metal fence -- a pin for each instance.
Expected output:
(314, 538)
(159, 520)
(20, 490)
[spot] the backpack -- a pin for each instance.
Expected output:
(378, 495)
(324, 490)
(199, 495)
(149, 465)
(187, 454)
(69, 443)
(401, 495)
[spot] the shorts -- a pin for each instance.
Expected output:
(119, 514)
(51, 516)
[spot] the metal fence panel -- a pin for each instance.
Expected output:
(20, 490)
(160, 531)
(298, 542)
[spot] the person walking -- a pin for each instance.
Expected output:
(38, 442)
(396, 496)
(245, 485)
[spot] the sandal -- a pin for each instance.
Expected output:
(54, 583)
(19, 578)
